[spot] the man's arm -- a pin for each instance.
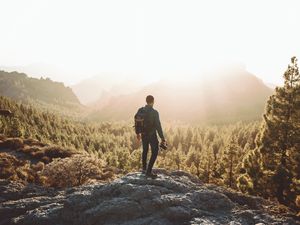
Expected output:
(158, 126)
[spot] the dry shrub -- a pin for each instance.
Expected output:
(108, 175)
(26, 149)
(113, 169)
(12, 168)
(72, 171)
(58, 152)
(298, 203)
(7, 160)
(38, 167)
(39, 154)
(12, 143)
(19, 170)
(36, 173)
(29, 149)
(47, 153)
(45, 159)
(22, 173)
(2, 137)
(33, 142)
(57, 166)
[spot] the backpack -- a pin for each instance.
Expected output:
(140, 121)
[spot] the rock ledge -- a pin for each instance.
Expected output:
(172, 198)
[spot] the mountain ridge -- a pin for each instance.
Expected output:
(20, 86)
(90, 90)
(220, 96)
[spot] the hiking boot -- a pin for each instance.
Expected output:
(151, 175)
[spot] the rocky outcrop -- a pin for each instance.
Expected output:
(172, 198)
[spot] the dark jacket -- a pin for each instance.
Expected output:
(153, 122)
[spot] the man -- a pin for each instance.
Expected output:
(149, 136)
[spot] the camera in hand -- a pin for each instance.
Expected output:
(163, 145)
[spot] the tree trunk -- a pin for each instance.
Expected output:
(230, 173)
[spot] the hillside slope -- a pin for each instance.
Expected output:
(223, 96)
(19, 86)
(173, 198)
(31, 161)
(48, 127)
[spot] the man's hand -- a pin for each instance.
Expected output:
(138, 137)
(163, 144)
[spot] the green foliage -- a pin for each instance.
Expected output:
(198, 149)
(272, 169)
(250, 180)
(231, 157)
(15, 128)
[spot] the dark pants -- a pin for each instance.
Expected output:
(153, 141)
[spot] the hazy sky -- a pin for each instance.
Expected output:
(83, 38)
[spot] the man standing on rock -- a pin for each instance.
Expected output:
(147, 123)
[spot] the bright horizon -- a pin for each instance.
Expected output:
(70, 41)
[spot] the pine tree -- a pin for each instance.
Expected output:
(16, 129)
(230, 158)
(123, 155)
(193, 161)
(174, 158)
(250, 180)
(207, 165)
(280, 135)
(135, 159)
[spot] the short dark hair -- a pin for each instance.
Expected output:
(149, 99)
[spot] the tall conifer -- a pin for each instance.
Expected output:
(279, 139)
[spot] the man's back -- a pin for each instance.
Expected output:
(152, 122)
